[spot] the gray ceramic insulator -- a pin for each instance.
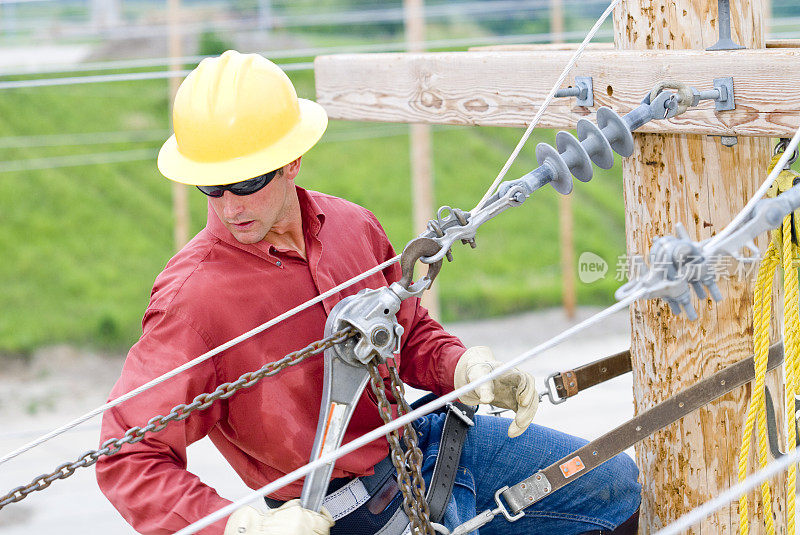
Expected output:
(616, 131)
(595, 144)
(575, 156)
(548, 156)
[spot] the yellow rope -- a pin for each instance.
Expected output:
(762, 298)
(781, 248)
(791, 312)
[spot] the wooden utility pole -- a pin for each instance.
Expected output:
(180, 194)
(695, 180)
(564, 201)
(420, 148)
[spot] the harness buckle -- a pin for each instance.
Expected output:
(551, 391)
(501, 507)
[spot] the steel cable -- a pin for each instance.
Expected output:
(194, 362)
(745, 212)
(550, 96)
(733, 493)
(407, 418)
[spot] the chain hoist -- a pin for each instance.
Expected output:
(349, 366)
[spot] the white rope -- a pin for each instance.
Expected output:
(405, 419)
(733, 493)
(196, 361)
(745, 212)
(547, 101)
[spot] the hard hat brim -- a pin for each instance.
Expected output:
(297, 141)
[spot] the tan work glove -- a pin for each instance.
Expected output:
(513, 390)
(286, 519)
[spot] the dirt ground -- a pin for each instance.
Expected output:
(61, 383)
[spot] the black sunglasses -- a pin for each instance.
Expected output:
(245, 187)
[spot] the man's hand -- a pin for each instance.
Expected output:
(513, 390)
(288, 518)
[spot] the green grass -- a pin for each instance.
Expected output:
(81, 245)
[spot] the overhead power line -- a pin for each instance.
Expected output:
(300, 52)
(126, 77)
(77, 160)
(390, 47)
(476, 10)
(83, 138)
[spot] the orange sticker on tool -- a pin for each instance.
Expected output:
(572, 467)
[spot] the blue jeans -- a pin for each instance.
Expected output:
(601, 500)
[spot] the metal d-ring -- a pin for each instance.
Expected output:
(416, 249)
(781, 147)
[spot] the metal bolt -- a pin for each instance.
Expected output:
(729, 141)
(724, 24)
(380, 336)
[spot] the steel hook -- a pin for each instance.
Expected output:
(415, 250)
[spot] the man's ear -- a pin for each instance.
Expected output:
(291, 169)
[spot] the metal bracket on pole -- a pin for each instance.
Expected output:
(583, 91)
(722, 94)
(724, 21)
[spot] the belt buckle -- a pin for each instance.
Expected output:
(460, 414)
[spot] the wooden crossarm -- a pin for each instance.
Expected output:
(504, 88)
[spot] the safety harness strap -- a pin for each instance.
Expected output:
(570, 383)
(458, 421)
(577, 464)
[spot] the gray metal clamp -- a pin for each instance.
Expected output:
(678, 263)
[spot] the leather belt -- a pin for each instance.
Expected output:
(579, 463)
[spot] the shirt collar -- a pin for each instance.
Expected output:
(312, 214)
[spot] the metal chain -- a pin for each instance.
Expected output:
(408, 464)
(179, 412)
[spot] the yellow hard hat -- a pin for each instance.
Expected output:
(235, 117)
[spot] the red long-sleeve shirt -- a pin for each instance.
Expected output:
(215, 289)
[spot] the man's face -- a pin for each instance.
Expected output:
(251, 217)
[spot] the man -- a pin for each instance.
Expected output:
(240, 132)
